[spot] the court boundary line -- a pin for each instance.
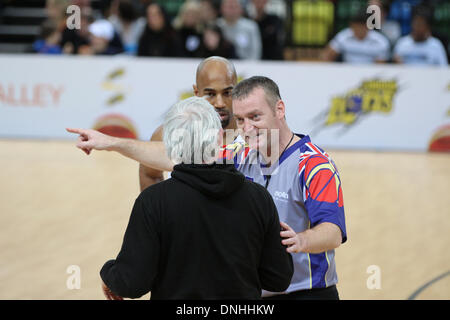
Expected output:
(428, 284)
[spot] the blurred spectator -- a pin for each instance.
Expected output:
(273, 7)
(127, 23)
(49, 39)
(75, 39)
(209, 11)
(103, 39)
(358, 44)
(56, 11)
(271, 29)
(188, 24)
(243, 33)
(390, 28)
(420, 47)
(159, 38)
(214, 44)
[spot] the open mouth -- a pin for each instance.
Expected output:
(223, 115)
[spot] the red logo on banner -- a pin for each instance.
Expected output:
(25, 95)
(440, 141)
(116, 125)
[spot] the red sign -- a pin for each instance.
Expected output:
(26, 95)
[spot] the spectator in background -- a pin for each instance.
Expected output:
(271, 29)
(275, 7)
(76, 40)
(390, 28)
(103, 39)
(188, 24)
(159, 38)
(420, 47)
(49, 39)
(214, 44)
(358, 44)
(56, 11)
(243, 33)
(127, 23)
(209, 12)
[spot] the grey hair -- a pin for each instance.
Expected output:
(191, 130)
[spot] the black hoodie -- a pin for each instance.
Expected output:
(206, 233)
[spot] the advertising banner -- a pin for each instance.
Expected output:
(341, 106)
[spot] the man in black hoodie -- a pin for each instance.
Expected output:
(205, 233)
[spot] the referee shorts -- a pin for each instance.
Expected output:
(329, 293)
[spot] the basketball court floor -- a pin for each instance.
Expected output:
(60, 208)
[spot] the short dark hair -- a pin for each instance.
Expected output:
(245, 87)
(425, 12)
(360, 16)
(127, 10)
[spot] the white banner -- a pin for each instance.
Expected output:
(382, 107)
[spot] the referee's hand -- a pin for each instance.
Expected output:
(291, 239)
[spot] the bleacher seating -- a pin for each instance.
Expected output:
(442, 19)
(20, 22)
(401, 11)
(345, 9)
(310, 24)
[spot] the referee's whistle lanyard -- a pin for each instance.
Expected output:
(267, 180)
(268, 177)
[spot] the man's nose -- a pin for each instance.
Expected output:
(220, 103)
(247, 126)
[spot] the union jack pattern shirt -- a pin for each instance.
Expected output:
(306, 188)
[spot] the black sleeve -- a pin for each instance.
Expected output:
(276, 267)
(132, 274)
(115, 45)
(142, 50)
(175, 45)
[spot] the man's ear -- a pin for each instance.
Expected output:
(280, 110)
(195, 89)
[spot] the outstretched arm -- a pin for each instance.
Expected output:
(149, 153)
(150, 176)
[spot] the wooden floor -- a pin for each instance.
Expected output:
(60, 208)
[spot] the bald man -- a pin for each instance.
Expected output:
(215, 79)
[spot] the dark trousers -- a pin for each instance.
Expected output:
(329, 293)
